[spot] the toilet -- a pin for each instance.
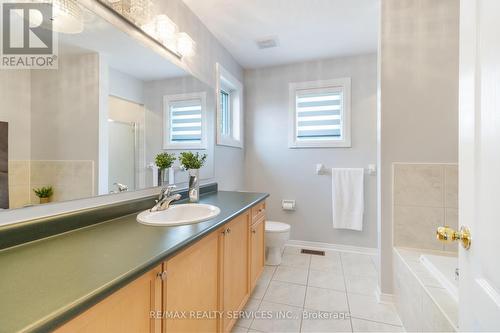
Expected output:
(277, 234)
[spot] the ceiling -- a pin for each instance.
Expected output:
(305, 29)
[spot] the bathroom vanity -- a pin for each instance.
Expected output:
(122, 276)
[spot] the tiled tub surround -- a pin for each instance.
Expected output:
(19, 184)
(337, 282)
(425, 196)
(70, 180)
(422, 302)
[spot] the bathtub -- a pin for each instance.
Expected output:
(445, 270)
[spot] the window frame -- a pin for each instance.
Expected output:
(167, 100)
(343, 84)
(228, 94)
(227, 82)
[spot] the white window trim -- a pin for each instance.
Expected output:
(345, 142)
(167, 100)
(225, 78)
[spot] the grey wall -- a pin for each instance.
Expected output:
(290, 173)
(419, 97)
(125, 86)
(65, 110)
(15, 97)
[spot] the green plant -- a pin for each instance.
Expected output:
(44, 192)
(192, 161)
(164, 160)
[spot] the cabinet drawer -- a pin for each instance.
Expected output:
(258, 211)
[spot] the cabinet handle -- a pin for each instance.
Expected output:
(254, 231)
(228, 230)
(162, 275)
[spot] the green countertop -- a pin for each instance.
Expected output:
(47, 282)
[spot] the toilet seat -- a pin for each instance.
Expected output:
(276, 227)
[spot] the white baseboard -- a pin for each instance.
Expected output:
(382, 297)
(328, 246)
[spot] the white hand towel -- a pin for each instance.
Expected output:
(348, 198)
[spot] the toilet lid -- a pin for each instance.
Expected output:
(272, 226)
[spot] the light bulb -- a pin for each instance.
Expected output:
(150, 29)
(166, 30)
(185, 44)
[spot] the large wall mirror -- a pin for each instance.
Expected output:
(94, 125)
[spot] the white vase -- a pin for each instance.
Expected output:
(163, 177)
(194, 185)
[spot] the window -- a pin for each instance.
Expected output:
(185, 121)
(225, 105)
(320, 114)
(229, 109)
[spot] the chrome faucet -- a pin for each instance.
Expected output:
(165, 199)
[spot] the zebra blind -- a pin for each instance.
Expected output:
(319, 114)
(185, 121)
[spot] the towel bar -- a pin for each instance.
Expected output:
(322, 170)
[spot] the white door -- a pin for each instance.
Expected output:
(480, 164)
(122, 155)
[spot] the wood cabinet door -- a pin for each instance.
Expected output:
(191, 288)
(235, 267)
(127, 310)
(257, 250)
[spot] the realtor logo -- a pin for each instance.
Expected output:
(28, 41)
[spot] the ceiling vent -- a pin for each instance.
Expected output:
(267, 43)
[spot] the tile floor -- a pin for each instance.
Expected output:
(310, 292)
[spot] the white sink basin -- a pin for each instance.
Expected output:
(179, 215)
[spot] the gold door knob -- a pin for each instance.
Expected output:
(448, 235)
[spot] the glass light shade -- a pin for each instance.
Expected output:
(150, 29)
(185, 44)
(165, 31)
(67, 16)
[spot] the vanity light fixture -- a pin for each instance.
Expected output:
(163, 29)
(140, 11)
(166, 31)
(160, 28)
(67, 17)
(185, 44)
(137, 11)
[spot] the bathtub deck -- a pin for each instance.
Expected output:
(432, 289)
